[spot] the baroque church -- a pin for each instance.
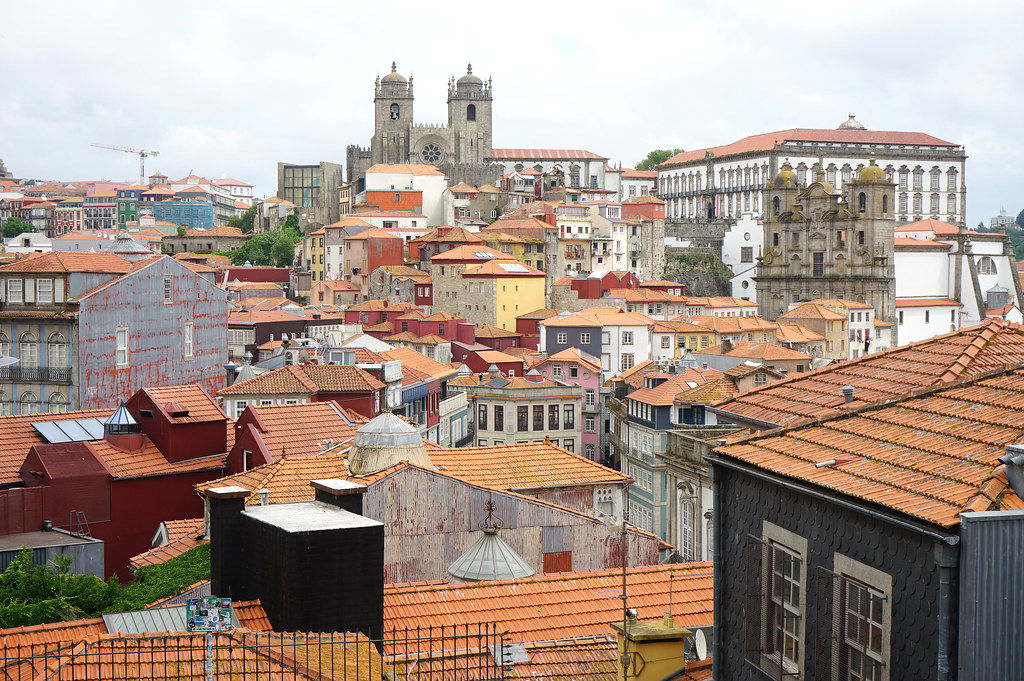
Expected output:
(460, 149)
(824, 243)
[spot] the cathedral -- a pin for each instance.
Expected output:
(822, 243)
(460, 149)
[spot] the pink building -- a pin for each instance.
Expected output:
(573, 367)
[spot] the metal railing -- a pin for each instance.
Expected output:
(464, 653)
(35, 374)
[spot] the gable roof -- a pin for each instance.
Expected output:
(600, 316)
(939, 227)
(193, 398)
(182, 535)
(306, 378)
(932, 454)
(476, 253)
(572, 354)
(285, 429)
(69, 261)
(404, 168)
(664, 393)
(17, 436)
(412, 359)
(811, 311)
(544, 155)
(752, 350)
(882, 376)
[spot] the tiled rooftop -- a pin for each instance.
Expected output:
(199, 403)
(285, 428)
(412, 359)
(763, 351)
(885, 375)
(69, 261)
(664, 393)
(932, 454)
(17, 436)
(306, 379)
(556, 605)
(182, 535)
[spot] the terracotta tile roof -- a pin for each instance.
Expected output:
(644, 295)
(379, 306)
(69, 261)
(463, 188)
(664, 394)
(390, 214)
(721, 388)
(148, 461)
(811, 311)
(572, 354)
(383, 327)
(17, 436)
(372, 234)
(635, 374)
(545, 155)
(48, 634)
(200, 404)
(403, 271)
(491, 331)
(660, 283)
(182, 536)
(471, 253)
(768, 141)
(906, 242)
(285, 429)
(521, 466)
(939, 227)
(763, 351)
(542, 313)
(496, 356)
(630, 173)
(562, 281)
(932, 454)
(225, 231)
(503, 238)
(556, 605)
(729, 325)
(523, 226)
(407, 336)
(720, 301)
(600, 316)
(885, 375)
(927, 302)
(416, 360)
(794, 333)
(309, 379)
(839, 302)
(502, 268)
(404, 169)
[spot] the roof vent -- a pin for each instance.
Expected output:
(847, 394)
(175, 410)
(1014, 461)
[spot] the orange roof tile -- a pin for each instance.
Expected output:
(713, 391)
(929, 225)
(572, 354)
(883, 376)
(200, 404)
(182, 536)
(927, 302)
(545, 155)
(931, 454)
(372, 234)
(463, 188)
(751, 350)
(306, 379)
(496, 356)
(906, 242)
(404, 168)
(69, 261)
(285, 429)
(472, 253)
(502, 268)
(664, 393)
(794, 333)
(556, 605)
(811, 311)
(600, 316)
(491, 331)
(17, 436)
(842, 303)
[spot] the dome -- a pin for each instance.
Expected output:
(851, 123)
(469, 78)
(871, 173)
(490, 557)
(394, 76)
(128, 248)
(384, 442)
(786, 176)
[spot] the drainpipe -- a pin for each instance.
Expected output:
(947, 558)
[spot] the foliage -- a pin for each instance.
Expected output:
(1016, 235)
(701, 275)
(15, 226)
(267, 248)
(291, 222)
(181, 230)
(245, 221)
(49, 593)
(154, 582)
(657, 156)
(1020, 219)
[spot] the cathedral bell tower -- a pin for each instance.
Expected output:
(469, 117)
(393, 117)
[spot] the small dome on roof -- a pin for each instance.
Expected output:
(871, 173)
(786, 176)
(851, 123)
(469, 78)
(384, 442)
(394, 76)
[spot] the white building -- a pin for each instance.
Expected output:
(415, 176)
(741, 245)
(29, 242)
(948, 277)
(629, 183)
(581, 168)
(727, 180)
(240, 191)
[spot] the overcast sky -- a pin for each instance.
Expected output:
(232, 88)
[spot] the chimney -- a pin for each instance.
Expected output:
(492, 371)
(228, 575)
(1014, 462)
(726, 346)
(341, 493)
(847, 394)
(658, 643)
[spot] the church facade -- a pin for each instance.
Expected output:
(461, 149)
(823, 243)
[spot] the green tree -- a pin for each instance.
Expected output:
(656, 157)
(1014, 233)
(181, 230)
(291, 222)
(1020, 219)
(49, 593)
(275, 249)
(245, 221)
(15, 226)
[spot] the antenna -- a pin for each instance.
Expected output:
(700, 645)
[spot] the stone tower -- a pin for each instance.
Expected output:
(393, 118)
(469, 117)
(820, 243)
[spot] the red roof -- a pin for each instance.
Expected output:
(769, 140)
(929, 225)
(927, 302)
(306, 379)
(69, 261)
(544, 155)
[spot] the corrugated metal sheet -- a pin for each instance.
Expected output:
(153, 621)
(991, 596)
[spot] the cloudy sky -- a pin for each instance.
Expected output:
(233, 87)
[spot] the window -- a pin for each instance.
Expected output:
(584, 338)
(862, 595)
(568, 417)
(538, 417)
(499, 417)
(918, 178)
(626, 361)
(189, 329)
(903, 203)
(522, 418)
(627, 337)
(240, 406)
(747, 254)
(28, 350)
(246, 460)
(481, 417)
(986, 265)
(28, 403)
(590, 424)
(574, 371)
(471, 112)
(562, 338)
(15, 288)
(760, 378)
(168, 290)
(818, 264)
(784, 595)
(57, 351)
(862, 202)
(556, 370)
(666, 341)
(935, 175)
(590, 397)
(569, 445)
(860, 238)
(591, 451)
(552, 417)
(44, 290)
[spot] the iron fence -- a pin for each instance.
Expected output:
(454, 653)
(35, 374)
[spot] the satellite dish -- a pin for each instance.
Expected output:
(700, 645)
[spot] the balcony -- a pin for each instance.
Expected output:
(453, 404)
(16, 374)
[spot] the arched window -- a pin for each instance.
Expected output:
(5, 345)
(6, 406)
(885, 204)
(776, 209)
(986, 265)
(56, 403)
(686, 529)
(471, 112)
(28, 350)
(57, 350)
(395, 112)
(709, 543)
(28, 403)
(862, 202)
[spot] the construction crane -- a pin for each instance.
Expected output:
(142, 157)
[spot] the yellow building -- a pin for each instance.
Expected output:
(674, 337)
(510, 289)
(313, 250)
(527, 249)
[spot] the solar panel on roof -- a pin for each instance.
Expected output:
(70, 430)
(484, 255)
(513, 267)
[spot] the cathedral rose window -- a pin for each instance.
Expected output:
(431, 153)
